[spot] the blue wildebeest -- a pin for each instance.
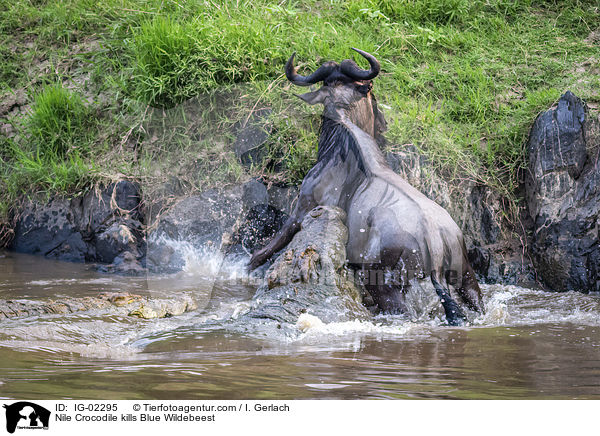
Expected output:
(396, 234)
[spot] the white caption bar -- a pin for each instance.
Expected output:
(89, 418)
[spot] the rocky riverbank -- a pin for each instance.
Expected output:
(554, 243)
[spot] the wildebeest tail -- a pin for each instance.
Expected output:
(454, 315)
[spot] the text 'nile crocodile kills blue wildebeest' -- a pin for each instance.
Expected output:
(396, 234)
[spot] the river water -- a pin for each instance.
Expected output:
(530, 344)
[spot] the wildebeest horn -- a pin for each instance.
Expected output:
(321, 74)
(350, 69)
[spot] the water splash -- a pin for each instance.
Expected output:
(312, 326)
(513, 305)
(209, 263)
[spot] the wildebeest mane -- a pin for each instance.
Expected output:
(336, 142)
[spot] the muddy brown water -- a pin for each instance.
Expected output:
(530, 344)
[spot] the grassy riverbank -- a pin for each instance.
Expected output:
(153, 90)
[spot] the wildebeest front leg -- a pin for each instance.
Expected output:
(280, 240)
(286, 233)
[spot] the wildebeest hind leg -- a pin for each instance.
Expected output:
(389, 298)
(454, 315)
(469, 289)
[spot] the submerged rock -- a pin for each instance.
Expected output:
(309, 276)
(119, 303)
(563, 197)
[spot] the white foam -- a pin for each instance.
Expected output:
(513, 305)
(51, 282)
(306, 322)
(311, 325)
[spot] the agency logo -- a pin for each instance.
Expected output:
(26, 415)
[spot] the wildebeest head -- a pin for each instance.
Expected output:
(346, 91)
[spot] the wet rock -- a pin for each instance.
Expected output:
(126, 195)
(125, 263)
(116, 302)
(251, 138)
(309, 276)
(479, 259)
(203, 219)
(42, 228)
(163, 257)
(557, 154)
(95, 227)
(283, 198)
(115, 239)
(265, 216)
(259, 226)
(232, 221)
(95, 210)
(563, 196)
(255, 194)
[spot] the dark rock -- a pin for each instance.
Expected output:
(232, 221)
(95, 227)
(557, 138)
(116, 239)
(163, 257)
(283, 198)
(41, 229)
(203, 219)
(260, 225)
(309, 276)
(127, 197)
(126, 263)
(72, 249)
(563, 196)
(479, 259)
(482, 217)
(251, 138)
(509, 267)
(255, 194)
(95, 210)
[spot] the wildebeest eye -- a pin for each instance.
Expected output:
(364, 89)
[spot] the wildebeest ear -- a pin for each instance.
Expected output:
(314, 97)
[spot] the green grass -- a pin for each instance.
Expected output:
(60, 124)
(153, 89)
